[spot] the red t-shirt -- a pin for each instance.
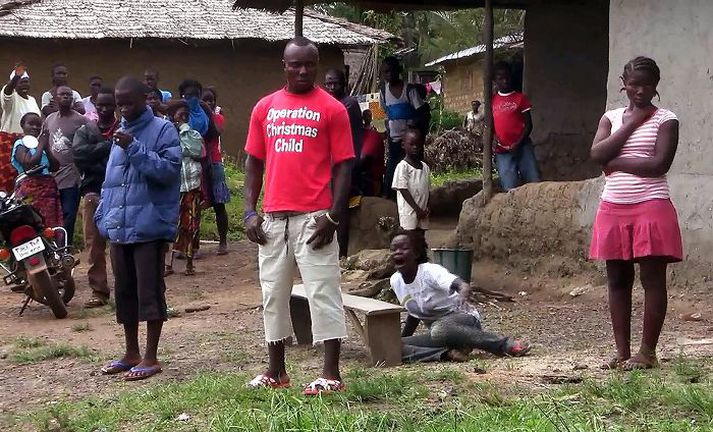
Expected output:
(373, 147)
(300, 137)
(508, 118)
(214, 147)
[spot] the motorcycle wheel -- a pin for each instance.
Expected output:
(44, 287)
(68, 289)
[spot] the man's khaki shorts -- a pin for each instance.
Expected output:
(287, 250)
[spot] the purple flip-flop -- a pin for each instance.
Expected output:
(115, 367)
(142, 373)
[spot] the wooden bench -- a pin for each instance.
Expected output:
(381, 331)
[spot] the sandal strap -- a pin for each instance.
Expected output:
(262, 380)
(324, 384)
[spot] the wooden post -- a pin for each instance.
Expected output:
(299, 16)
(488, 96)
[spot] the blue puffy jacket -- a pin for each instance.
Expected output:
(140, 196)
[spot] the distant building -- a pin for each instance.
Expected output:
(463, 71)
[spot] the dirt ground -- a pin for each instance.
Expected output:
(568, 332)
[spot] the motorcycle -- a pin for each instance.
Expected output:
(37, 261)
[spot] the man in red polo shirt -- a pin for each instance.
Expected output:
(299, 137)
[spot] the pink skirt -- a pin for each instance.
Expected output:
(632, 231)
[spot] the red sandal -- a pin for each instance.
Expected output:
(323, 386)
(518, 349)
(266, 381)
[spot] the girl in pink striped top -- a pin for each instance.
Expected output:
(636, 221)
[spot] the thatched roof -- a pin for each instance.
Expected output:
(170, 19)
(384, 5)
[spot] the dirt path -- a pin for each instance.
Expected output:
(568, 331)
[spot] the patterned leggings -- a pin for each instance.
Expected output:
(457, 330)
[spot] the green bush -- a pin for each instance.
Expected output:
(235, 178)
(442, 119)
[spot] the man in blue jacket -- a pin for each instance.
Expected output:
(138, 213)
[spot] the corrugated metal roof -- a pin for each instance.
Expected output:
(506, 42)
(169, 19)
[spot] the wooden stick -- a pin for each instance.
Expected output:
(488, 96)
(299, 17)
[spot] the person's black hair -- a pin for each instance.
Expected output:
(300, 41)
(56, 65)
(151, 72)
(363, 114)
(642, 63)
(413, 129)
(190, 83)
(156, 93)
(418, 246)
(339, 74)
(106, 90)
(130, 83)
(93, 77)
(212, 132)
(392, 61)
(174, 105)
(23, 120)
(502, 66)
(212, 90)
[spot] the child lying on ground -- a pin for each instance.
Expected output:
(440, 299)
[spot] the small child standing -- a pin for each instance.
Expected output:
(412, 181)
(189, 220)
(514, 153)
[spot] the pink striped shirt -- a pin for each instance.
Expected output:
(625, 188)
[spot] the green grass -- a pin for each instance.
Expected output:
(439, 179)
(234, 177)
(81, 327)
(412, 398)
(32, 350)
(85, 313)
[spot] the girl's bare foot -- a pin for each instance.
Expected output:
(641, 361)
(614, 363)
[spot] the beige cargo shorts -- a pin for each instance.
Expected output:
(287, 250)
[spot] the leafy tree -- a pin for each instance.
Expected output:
(433, 33)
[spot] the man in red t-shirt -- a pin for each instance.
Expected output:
(299, 137)
(514, 153)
